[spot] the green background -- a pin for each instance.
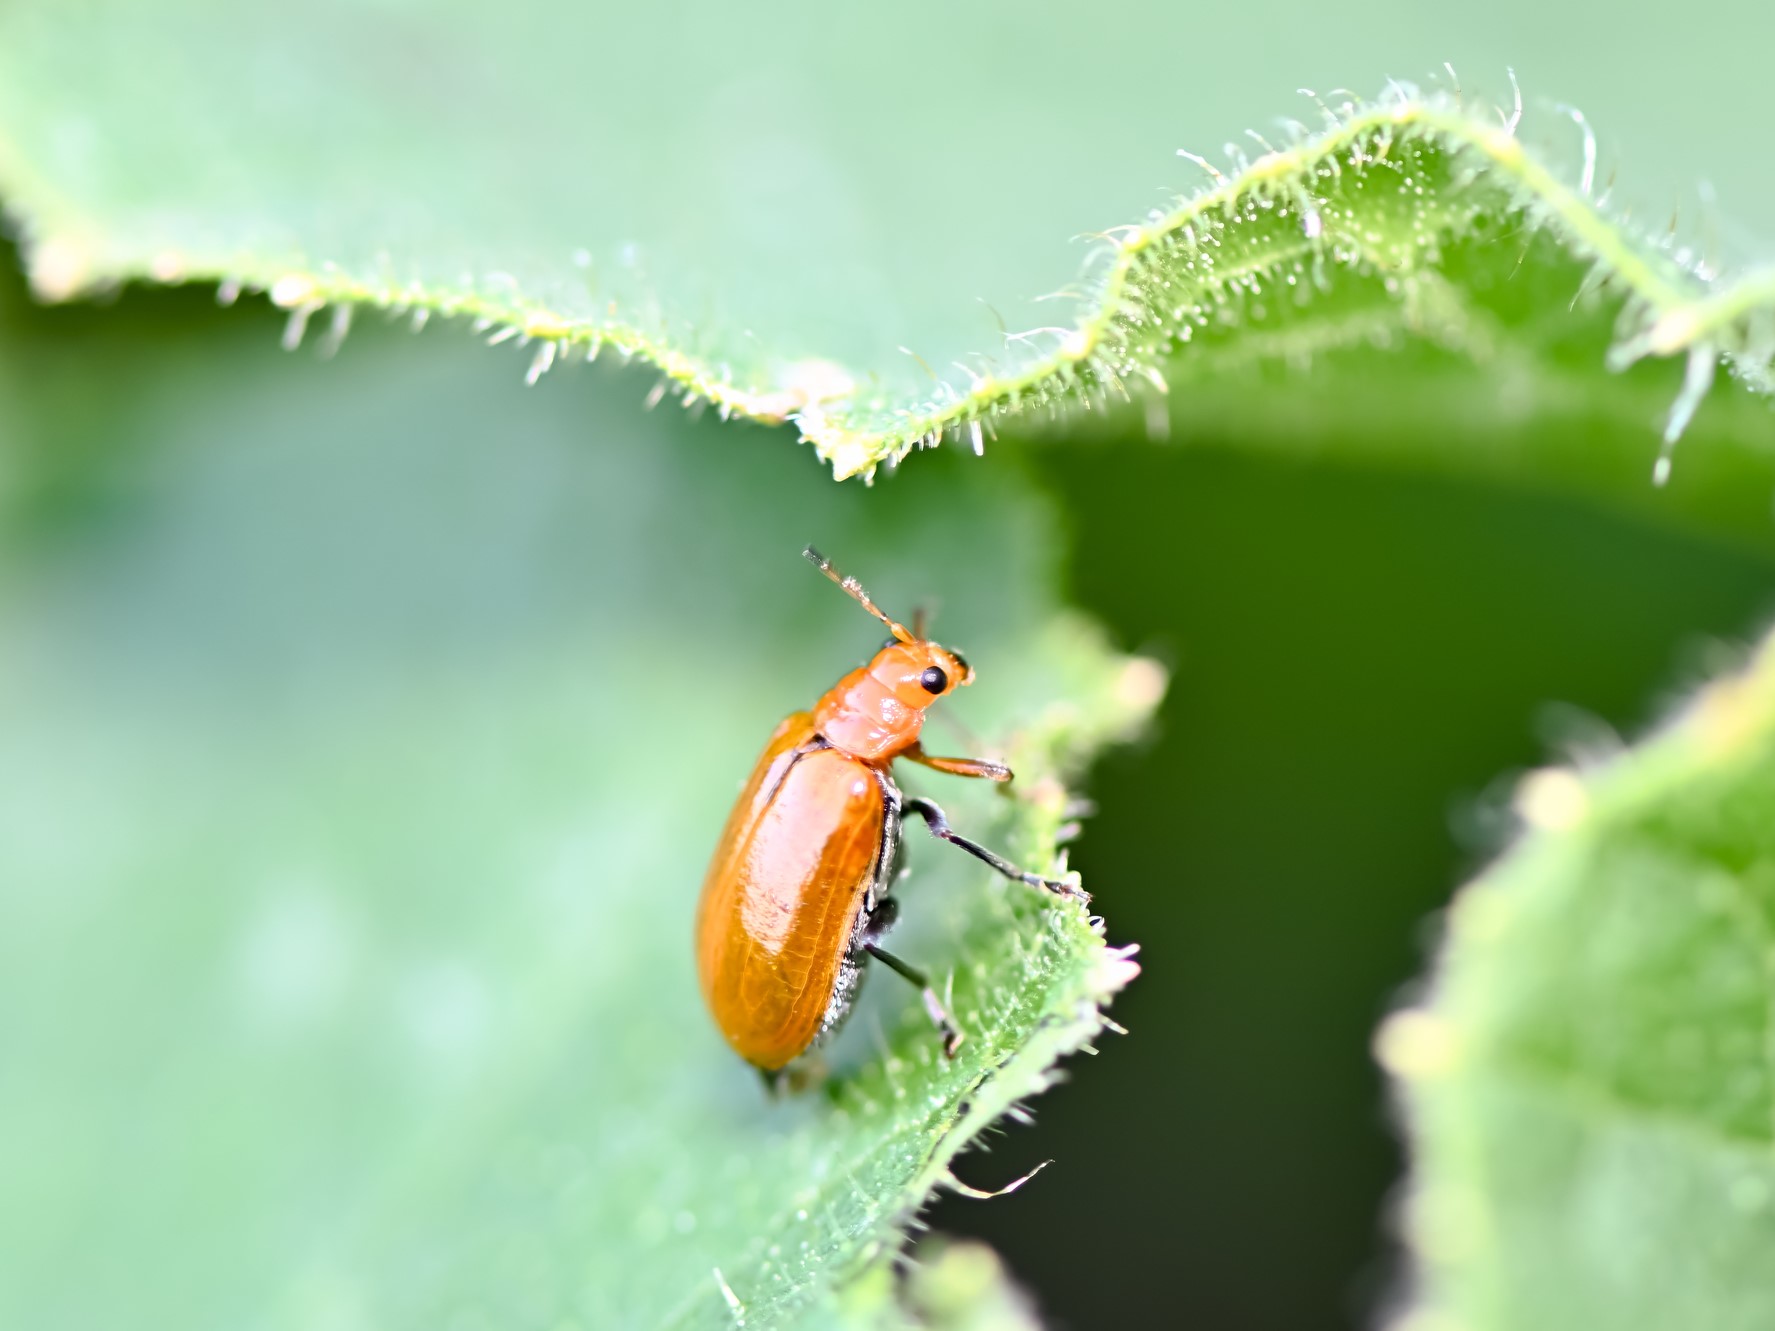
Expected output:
(1362, 654)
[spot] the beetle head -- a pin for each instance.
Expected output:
(920, 672)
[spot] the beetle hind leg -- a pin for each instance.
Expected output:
(933, 1006)
(940, 828)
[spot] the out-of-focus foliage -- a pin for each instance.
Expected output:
(1591, 1082)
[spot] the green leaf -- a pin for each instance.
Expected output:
(369, 724)
(496, 165)
(1590, 1082)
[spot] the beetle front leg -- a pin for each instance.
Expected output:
(940, 828)
(952, 1036)
(983, 768)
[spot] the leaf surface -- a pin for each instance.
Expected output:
(369, 726)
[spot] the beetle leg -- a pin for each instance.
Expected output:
(940, 828)
(984, 768)
(952, 1036)
(880, 920)
(773, 1081)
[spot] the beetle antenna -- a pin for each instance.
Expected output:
(854, 589)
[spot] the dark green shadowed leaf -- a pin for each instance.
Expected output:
(369, 724)
(1590, 1082)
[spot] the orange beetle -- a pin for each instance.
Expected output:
(797, 895)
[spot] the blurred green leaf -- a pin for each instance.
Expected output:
(528, 171)
(1590, 1080)
(369, 724)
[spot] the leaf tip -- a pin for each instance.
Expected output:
(1416, 1045)
(1551, 799)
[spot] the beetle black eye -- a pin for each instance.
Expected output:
(934, 680)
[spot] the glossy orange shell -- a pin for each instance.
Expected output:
(783, 892)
